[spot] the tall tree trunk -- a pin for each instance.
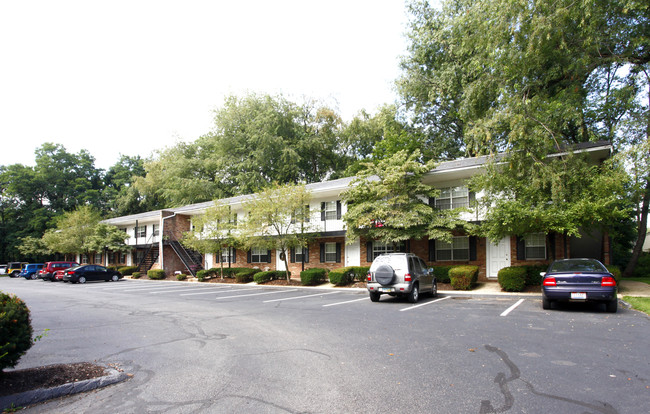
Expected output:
(642, 231)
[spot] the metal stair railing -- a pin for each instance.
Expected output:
(191, 260)
(146, 253)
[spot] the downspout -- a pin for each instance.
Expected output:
(162, 250)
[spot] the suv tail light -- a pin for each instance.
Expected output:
(407, 277)
(550, 281)
(369, 277)
(608, 281)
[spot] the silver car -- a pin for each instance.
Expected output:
(400, 274)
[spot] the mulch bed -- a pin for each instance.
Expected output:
(14, 382)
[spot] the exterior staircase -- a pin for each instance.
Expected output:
(192, 260)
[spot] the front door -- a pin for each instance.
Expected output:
(279, 263)
(497, 256)
(353, 253)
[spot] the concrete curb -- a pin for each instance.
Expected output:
(43, 394)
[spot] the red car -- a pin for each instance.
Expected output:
(47, 273)
(58, 275)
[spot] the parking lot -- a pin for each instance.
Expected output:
(214, 348)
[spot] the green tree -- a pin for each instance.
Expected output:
(122, 198)
(532, 79)
(107, 238)
(213, 231)
(74, 232)
(388, 201)
(278, 219)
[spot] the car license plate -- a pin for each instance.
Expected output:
(578, 295)
(386, 289)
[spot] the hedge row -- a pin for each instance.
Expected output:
(513, 278)
(156, 274)
(267, 276)
(313, 277)
(347, 275)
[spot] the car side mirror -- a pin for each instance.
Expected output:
(542, 274)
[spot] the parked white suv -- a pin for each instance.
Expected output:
(400, 274)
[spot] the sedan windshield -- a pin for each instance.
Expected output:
(577, 265)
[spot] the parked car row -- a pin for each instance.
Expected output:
(64, 271)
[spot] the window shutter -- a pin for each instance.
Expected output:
(369, 252)
(248, 256)
(234, 255)
(322, 252)
(550, 252)
(432, 250)
(338, 252)
(305, 254)
(408, 246)
(432, 202)
(472, 248)
(307, 213)
(217, 256)
(521, 248)
(268, 256)
(322, 211)
(338, 209)
(293, 255)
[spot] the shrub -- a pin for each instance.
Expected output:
(642, 268)
(312, 277)
(533, 277)
(245, 275)
(181, 277)
(358, 273)
(201, 275)
(442, 273)
(15, 330)
(616, 271)
(340, 277)
(463, 277)
(156, 274)
(263, 277)
(136, 275)
(513, 278)
(128, 270)
(112, 268)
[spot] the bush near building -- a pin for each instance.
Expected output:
(513, 278)
(313, 277)
(156, 274)
(463, 277)
(128, 270)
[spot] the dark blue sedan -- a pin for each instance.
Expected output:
(579, 280)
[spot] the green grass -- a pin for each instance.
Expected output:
(638, 279)
(642, 304)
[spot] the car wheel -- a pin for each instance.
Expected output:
(415, 294)
(434, 289)
(546, 303)
(82, 279)
(374, 296)
(384, 275)
(34, 276)
(612, 306)
(115, 278)
(52, 280)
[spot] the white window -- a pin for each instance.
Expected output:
(156, 229)
(452, 197)
(84, 259)
(458, 249)
(299, 254)
(122, 258)
(330, 210)
(227, 255)
(381, 248)
(330, 252)
(535, 246)
(141, 231)
(98, 258)
(259, 255)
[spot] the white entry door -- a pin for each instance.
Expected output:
(353, 253)
(279, 263)
(497, 256)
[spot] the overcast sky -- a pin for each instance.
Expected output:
(127, 77)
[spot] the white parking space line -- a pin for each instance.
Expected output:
(300, 297)
(256, 294)
(343, 303)
(158, 287)
(212, 291)
(182, 289)
(424, 304)
(510, 309)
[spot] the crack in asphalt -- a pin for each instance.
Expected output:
(515, 374)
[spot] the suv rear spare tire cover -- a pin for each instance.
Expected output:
(384, 275)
